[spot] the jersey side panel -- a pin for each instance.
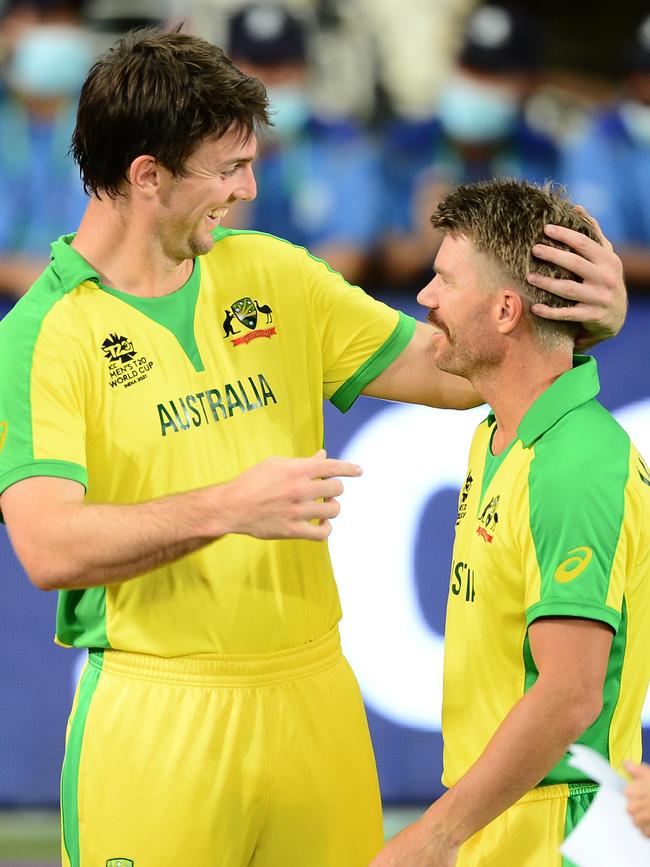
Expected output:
(633, 560)
(577, 512)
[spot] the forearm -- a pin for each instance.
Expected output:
(64, 542)
(414, 378)
(105, 544)
(530, 741)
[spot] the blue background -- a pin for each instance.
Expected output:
(37, 678)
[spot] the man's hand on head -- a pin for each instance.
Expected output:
(599, 294)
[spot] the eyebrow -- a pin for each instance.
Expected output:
(237, 161)
(441, 271)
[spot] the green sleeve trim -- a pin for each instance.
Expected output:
(70, 773)
(562, 609)
(346, 394)
(56, 469)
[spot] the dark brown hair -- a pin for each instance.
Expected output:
(504, 218)
(160, 94)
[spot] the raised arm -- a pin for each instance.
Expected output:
(414, 378)
(64, 543)
(571, 656)
(599, 292)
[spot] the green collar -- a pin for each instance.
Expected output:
(573, 388)
(71, 266)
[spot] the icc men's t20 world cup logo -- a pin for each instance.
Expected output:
(246, 311)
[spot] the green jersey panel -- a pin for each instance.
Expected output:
(138, 398)
(557, 525)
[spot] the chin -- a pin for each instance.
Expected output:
(200, 246)
(450, 365)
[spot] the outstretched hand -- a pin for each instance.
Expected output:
(287, 498)
(601, 296)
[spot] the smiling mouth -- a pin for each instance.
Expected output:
(217, 214)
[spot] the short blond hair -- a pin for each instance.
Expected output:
(503, 219)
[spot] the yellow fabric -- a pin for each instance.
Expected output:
(263, 761)
(154, 424)
(529, 834)
(632, 571)
(485, 625)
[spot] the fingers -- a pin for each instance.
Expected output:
(585, 265)
(326, 489)
(594, 222)
(577, 313)
(314, 532)
(325, 468)
(579, 242)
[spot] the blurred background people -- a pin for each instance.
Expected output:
(366, 55)
(479, 131)
(47, 52)
(317, 176)
(607, 168)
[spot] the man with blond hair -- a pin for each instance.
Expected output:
(548, 614)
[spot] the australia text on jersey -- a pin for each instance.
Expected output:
(202, 407)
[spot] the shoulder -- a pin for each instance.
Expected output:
(248, 248)
(586, 449)
(44, 315)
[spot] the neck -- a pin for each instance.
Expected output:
(126, 254)
(512, 388)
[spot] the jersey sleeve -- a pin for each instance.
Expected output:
(41, 387)
(359, 335)
(574, 553)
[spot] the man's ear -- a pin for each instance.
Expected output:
(509, 310)
(144, 175)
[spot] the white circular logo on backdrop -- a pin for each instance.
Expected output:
(407, 453)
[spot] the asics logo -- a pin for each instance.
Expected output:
(574, 565)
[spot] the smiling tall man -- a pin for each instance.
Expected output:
(161, 466)
(548, 617)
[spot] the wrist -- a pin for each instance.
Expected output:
(449, 819)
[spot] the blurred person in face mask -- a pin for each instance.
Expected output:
(607, 167)
(479, 131)
(317, 177)
(47, 54)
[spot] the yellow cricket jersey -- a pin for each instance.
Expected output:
(556, 525)
(137, 398)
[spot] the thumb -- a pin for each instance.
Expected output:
(321, 453)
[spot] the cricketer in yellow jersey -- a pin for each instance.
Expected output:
(548, 614)
(161, 466)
